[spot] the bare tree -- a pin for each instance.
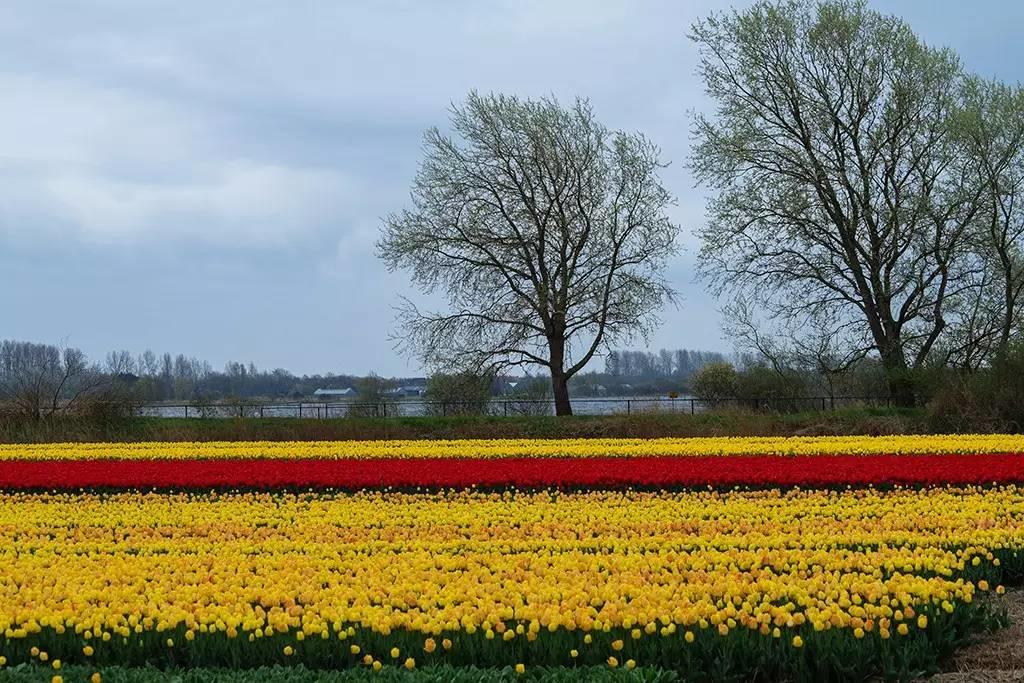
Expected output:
(842, 189)
(817, 348)
(121, 363)
(461, 394)
(546, 233)
(147, 364)
(992, 128)
(42, 380)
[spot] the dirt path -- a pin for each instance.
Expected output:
(998, 658)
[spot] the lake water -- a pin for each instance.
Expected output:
(415, 407)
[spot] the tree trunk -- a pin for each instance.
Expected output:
(559, 382)
(560, 389)
(897, 374)
(1008, 315)
(901, 390)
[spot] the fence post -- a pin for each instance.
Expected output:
(629, 407)
(186, 411)
(504, 405)
(261, 411)
(300, 408)
(691, 406)
(385, 407)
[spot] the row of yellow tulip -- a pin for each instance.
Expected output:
(492, 577)
(524, 448)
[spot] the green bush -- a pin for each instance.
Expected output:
(531, 397)
(764, 387)
(371, 397)
(988, 399)
(714, 382)
(463, 393)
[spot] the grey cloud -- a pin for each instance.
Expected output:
(209, 177)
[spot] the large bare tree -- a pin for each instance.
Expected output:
(546, 233)
(842, 189)
(991, 125)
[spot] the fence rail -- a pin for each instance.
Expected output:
(501, 407)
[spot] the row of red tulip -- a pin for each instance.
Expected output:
(658, 472)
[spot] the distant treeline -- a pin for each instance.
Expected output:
(45, 377)
(39, 381)
(644, 373)
(678, 364)
(166, 377)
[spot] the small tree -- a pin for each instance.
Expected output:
(42, 380)
(372, 396)
(459, 394)
(545, 231)
(763, 385)
(815, 348)
(531, 396)
(714, 382)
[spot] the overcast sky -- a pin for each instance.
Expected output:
(209, 177)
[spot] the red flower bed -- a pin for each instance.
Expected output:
(531, 472)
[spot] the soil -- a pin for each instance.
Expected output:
(994, 658)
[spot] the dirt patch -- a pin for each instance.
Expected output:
(980, 677)
(995, 658)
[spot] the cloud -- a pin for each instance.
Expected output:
(259, 125)
(49, 122)
(105, 165)
(238, 203)
(234, 143)
(240, 143)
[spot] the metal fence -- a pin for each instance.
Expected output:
(503, 407)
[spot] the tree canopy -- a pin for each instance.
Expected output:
(545, 232)
(847, 198)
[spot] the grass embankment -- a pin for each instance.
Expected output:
(870, 421)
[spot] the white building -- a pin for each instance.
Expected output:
(348, 392)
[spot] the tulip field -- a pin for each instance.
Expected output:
(669, 559)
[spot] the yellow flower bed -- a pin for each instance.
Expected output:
(532, 448)
(255, 565)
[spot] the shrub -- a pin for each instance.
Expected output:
(989, 399)
(714, 382)
(532, 397)
(464, 393)
(765, 387)
(372, 397)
